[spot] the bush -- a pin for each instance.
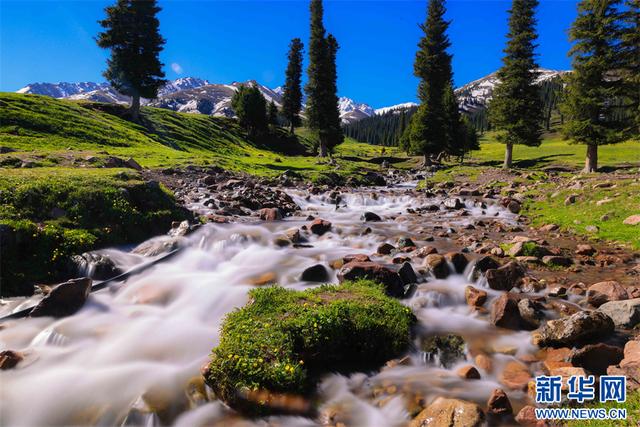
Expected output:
(284, 339)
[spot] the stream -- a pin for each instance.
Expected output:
(132, 355)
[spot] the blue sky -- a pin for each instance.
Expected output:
(225, 41)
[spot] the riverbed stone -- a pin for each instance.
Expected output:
(458, 260)
(270, 214)
(557, 261)
(604, 292)
(445, 412)
(370, 217)
(64, 300)
(355, 257)
(625, 314)
(373, 271)
(574, 330)
(448, 349)
(437, 265)
(453, 204)
(505, 277)
(468, 372)
(505, 313)
(385, 249)
(499, 404)
(319, 226)
(315, 273)
(596, 358)
(515, 375)
(632, 220)
(9, 359)
(475, 297)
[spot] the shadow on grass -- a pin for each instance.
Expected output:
(526, 163)
(374, 160)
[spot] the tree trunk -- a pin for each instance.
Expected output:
(508, 156)
(591, 163)
(134, 110)
(291, 128)
(427, 160)
(323, 147)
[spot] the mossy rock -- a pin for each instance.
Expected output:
(447, 348)
(283, 340)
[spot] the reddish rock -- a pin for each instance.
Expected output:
(319, 226)
(632, 220)
(475, 297)
(556, 358)
(444, 412)
(437, 265)
(586, 250)
(486, 263)
(385, 249)
(484, 362)
(356, 257)
(459, 260)
(505, 312)
(603, 292)
(426, 250)
(515, 376)
(468, 372)
(527, 417)
(270, 214)
(630, 365)
(373, 271)
(499, 404)
(596, 358)
(505, 277)
(9, 359)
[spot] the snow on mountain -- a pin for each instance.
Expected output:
(397, 107)
(183, 83)
(351, 111)
(62, 89)
(478, 93)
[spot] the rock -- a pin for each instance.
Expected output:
(270, 214)
(131, 163)
(499, 404)
(373, 271)
(315, 273)
(157, 245)
(370, 216)
(570, 199)
(592, 228)
(531, 313)
(527, 248)
(405, 242)
(603, 292)
(268, 278)
(632, 220)
(437, 265)
(514, 206)
(385, 249)
(9, 359)
(587, 250)
(486, 263)
(505, 313)
(484, 362)
(527, 417)
(446, 349)
(625, 314)
(444, 412)
(64, 300)
(407, 274)
(426, 250)
(515, 376)
(549, 228)
(505, 277)
(320, 226)
(556, 358)
(459, 260)
(468, 372)
(454, 203)
(294, 236)
(96, 266)
(355, 257)
(596, 358)
(179, 229)
(475, 297)
(630, 365)
(557, 260)
(573, 330)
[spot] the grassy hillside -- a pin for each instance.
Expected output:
(51, 132)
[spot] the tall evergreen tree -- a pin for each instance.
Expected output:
(322, 105)
(132, 34)
(631, 62)
(272, 114)
(455, 132)
(428, 130)
(516, 109)
(251, 108)
(595, 83)
(292, 96)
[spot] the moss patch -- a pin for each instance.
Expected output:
(47, 216)
(284, 339)
(632, 405)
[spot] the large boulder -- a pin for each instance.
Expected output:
(574, 330)
(505, 312)
(625, 314)
(445, 412)
(630, 365)
(320, 226)
(64, 300)
(505, 277)
(437, 265)
(596, 358)
(603, 292)
(379, 273)
(315, 273)
(458, 260)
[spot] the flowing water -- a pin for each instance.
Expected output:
(150, 335)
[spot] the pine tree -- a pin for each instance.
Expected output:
(516, 110)
(272, 114)
(250, 107)
(292, 96)
(132, 34)
(630, 58)
(455, 131)
(322, 101)
(428, 130)
(594, 84)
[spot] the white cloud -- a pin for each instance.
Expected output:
(177, 68)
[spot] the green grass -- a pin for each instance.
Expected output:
(283, 339)
(545, 209)
(555, 150)
(632, 406)
(50, 132)
(49, 214)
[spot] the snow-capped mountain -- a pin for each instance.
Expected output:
(478, 93)
(187, 94)
(395, 108)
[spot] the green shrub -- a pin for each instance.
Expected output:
(283, 339)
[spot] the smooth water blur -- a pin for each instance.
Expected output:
(150, 335)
